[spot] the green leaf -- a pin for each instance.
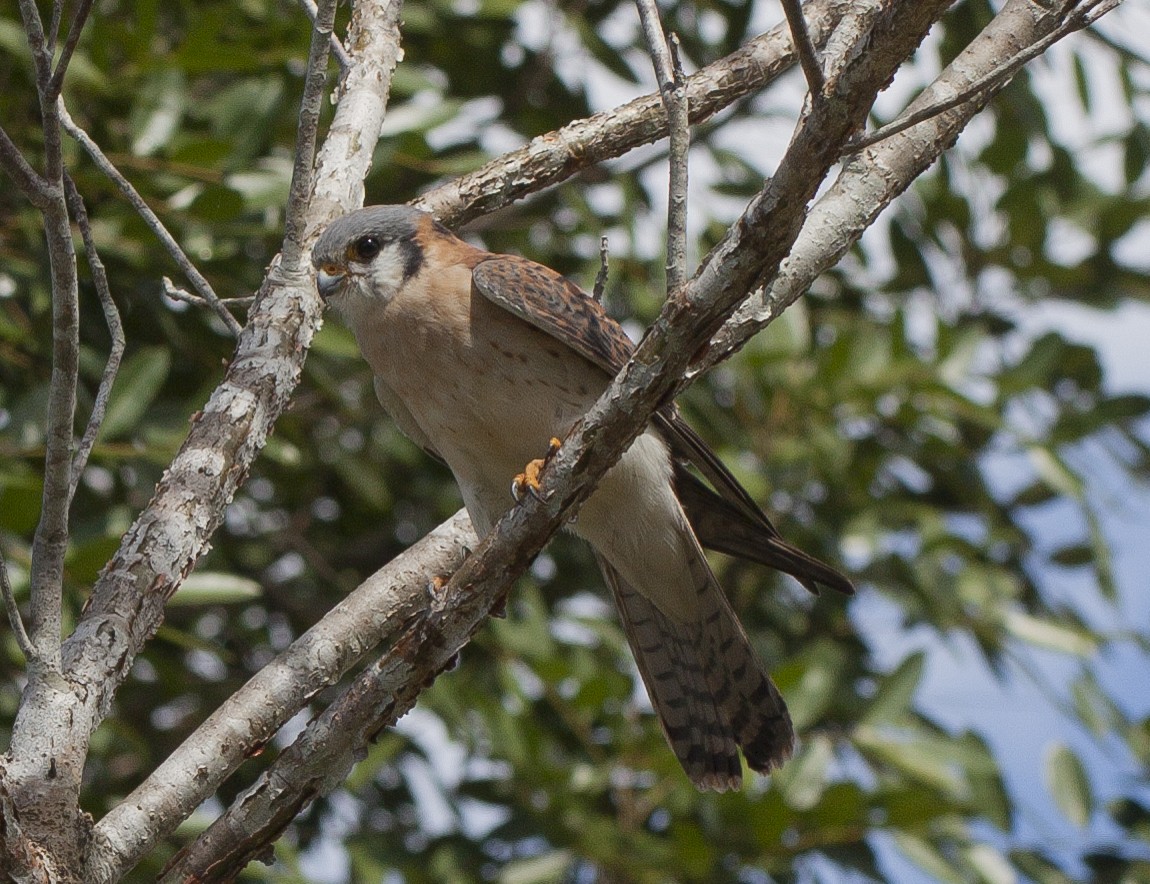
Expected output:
(551, 866)
(215, 588)
(139, 381)
(896, 691)
(917, 758)
(1047, 634)
(1067, 782)
(924, 855)
(804, 778)
(157, 111)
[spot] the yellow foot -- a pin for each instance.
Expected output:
(528, 481)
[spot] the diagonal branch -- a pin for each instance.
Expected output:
(115, 330)
(36, 189)
(79, 19)
(557, 156)
(202, 286)
(380, 607)
(876, 175)
(991, 81)
(808, 60)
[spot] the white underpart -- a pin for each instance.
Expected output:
(634, 521)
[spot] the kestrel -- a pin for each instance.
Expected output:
(481, 359)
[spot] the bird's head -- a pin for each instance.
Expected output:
(369, 253)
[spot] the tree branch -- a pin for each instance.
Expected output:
(876, 175)
(79, 19)
(669, 76)
(380, 607)
(14, 619)
(295, 257)
(36, 189)
(333, 41)
(202, 286)
(115, 330)
(162, 546)
(1080, 18)
(808, 60)
(561, 154)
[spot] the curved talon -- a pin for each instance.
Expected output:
(528, 482)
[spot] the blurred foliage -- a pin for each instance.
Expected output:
(906, 419)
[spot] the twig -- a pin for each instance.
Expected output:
(38, 190)
(669, 74)
(1080, 18)
(303, 171)
(115, 330)
(79, 18)
(336, 47)
(601, 276)
(812, 70)
(173, 291)
(14, 619)
(202, 286)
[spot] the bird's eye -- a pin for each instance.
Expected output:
(365, 248)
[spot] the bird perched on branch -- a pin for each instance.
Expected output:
(481, 359)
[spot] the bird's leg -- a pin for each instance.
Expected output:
(528, 482)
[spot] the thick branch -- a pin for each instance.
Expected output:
(558, 155)
(875, 176)
(380, 607)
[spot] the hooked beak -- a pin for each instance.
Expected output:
(328, 283)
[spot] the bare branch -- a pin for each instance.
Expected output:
(37, 189)
(294, 249)
(993, 80)
(380, 607)
(876, 175)
(115, 330)
(176, 293)
(333, 41)
(50, 123)
(14, 619)
(79, 19)
(202, 286)
(601, 276)
(670, 78)
(558, 155)
(808, 60)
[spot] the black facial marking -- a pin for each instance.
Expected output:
(412, 255)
